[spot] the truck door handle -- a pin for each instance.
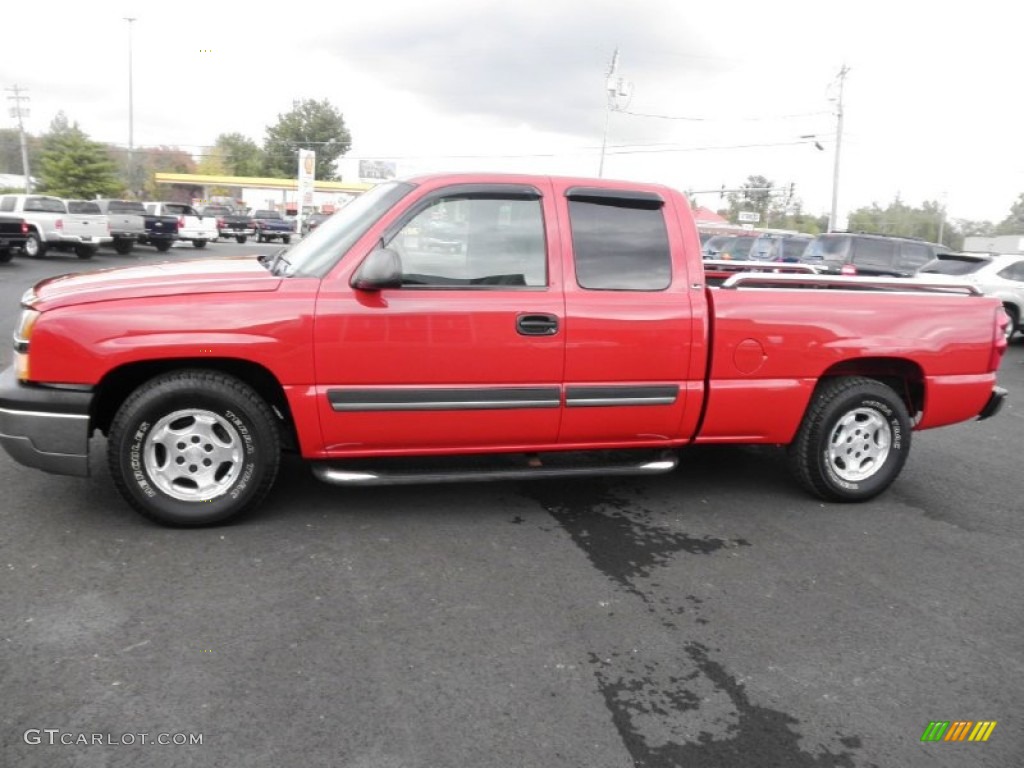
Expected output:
(537, 325)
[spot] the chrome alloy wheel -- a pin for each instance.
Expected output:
(193, 455)
(860, 444)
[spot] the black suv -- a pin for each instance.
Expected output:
(851, 253)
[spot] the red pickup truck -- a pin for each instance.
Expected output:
(570, 329)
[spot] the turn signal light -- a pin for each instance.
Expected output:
(999, 340)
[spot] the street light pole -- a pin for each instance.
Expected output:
(131, 110)
(19, 111)
(609, 85)
(833, 216)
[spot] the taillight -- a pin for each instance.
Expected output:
(999, 340)
(220, 224)
(848, 269)
(181, 222)
(59, 224)
(24, 227)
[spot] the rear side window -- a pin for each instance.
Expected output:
(827, 249)
(953, 265)
(868, 252)
(620, 244)
(1013, 272)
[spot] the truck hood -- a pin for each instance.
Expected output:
(236, 274)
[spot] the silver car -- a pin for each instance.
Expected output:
(998, 275)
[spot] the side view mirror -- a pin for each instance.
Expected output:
(381, 269)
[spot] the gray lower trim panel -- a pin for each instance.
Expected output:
(605, 396)
(452, 399)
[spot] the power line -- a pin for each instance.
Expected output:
(720, 119)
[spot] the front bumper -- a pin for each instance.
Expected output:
(44, 427)
(995, 402)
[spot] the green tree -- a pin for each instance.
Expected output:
(1013, 224)
(904, 220)
(153, 160)
(10, 151)
(310, 124)
(72, 165)
(240, 155)
(969, 228)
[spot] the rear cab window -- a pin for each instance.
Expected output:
(619, 240)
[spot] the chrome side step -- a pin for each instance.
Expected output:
(341, 475)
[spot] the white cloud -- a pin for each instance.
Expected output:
(931, 106)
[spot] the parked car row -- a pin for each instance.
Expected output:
(36, 224)
(871, 255)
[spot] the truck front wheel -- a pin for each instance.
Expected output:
(853, 442)
(194, 448)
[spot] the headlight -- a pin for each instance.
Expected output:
(22, 335)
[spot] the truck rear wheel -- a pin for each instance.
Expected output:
(241, 239)
(5, 255)
(198, 243)
(162, 245)
(34, 247)
(85, 251)
(194, 448)
(853, 442)
(124, 246)
(286, 239)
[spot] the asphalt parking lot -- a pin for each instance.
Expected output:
(713, 617)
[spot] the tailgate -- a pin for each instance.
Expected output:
(86, 226)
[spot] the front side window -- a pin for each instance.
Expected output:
(470, 241)
(620, 244)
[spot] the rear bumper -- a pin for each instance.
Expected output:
(45, 428)
(995, 402)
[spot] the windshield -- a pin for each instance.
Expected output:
(717, 244)
(82, 206)
(793, 248)
(44, 205)
(320, 250)
(741, 247)
(953, 265)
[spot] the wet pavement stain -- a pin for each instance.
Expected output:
(662, 718)
(618, 536)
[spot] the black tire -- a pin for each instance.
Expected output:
(143, 467)
(85, 251)
(124, 246)
(198, 243)
(868, 414)
(6, 254)
(240, 239)
(162, 245)
(259, 237)
(286, 239)
(34, 247)
(1014, 325)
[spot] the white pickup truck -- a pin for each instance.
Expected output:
(52, 227)
(191, 224)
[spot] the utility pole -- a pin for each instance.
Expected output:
(833, 217)
(131, 110)
(19, 112)
(610, 87)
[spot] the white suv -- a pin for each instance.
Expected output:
(999, 275)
